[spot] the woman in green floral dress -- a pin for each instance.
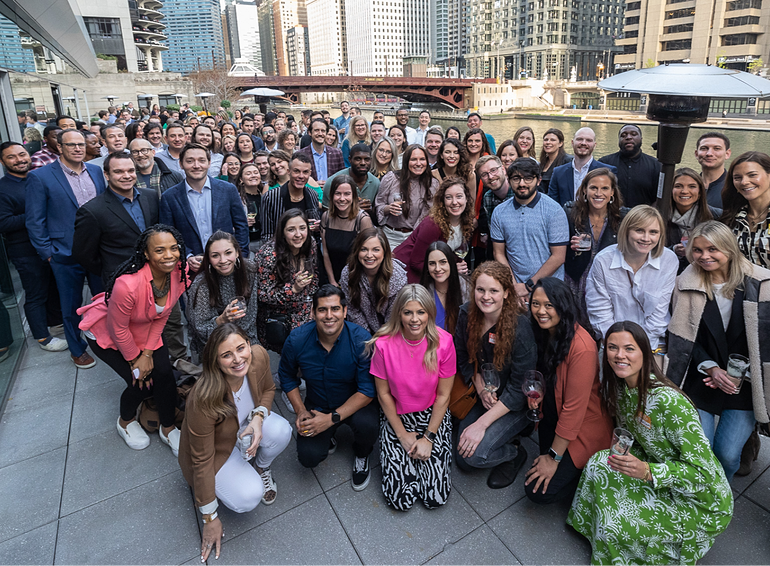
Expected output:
(667, 500)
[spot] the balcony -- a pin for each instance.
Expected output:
(145, 23)
(150, 12)
(152, 4)
(147, 34)
(142, 42)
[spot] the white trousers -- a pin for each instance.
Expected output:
(237, 484)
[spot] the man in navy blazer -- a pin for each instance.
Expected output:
(566, 178)
(54, 194)
(200, 205)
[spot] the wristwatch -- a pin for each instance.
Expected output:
(336, 417)
(529, 284)
(430, 436)
(553, 454)
(208, 517)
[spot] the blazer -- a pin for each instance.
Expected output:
(51, 206)
(130, 323)
(105, 233)
(206, 444)
(227, 210)
(582, 420)
(334, 161)
(562, 186)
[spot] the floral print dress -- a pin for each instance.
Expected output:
(675, 519)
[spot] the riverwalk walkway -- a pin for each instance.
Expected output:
(71, 492)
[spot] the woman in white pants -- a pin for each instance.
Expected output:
(229, 402)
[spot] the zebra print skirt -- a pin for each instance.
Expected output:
(405, 479)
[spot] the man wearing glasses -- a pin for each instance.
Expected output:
(152, 172)
(530, 231)
(496, 189)
(54, 194)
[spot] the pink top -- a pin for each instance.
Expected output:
(412, 387)
(130, 322)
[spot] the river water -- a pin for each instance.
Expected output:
(606, 135)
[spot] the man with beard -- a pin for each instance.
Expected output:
(637, 172)
(566, 178)
(41, 303)
(529, 232)
(151, 172)
(496, 191)
(269, 138)
(343, 121)
(325, 159)
(366, 183)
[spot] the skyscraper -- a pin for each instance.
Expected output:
(298, 50)
(12, 54)
(267, 37)
(417, 32)
(375, 30)
(194, 35)
(287, 14)
(246, 27)
(328, 40)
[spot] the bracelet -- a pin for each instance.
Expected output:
(647, 474)
(207, 518)
(146, 355)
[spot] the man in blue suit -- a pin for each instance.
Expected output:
(200, 205)
(54, 194)
(566, 179)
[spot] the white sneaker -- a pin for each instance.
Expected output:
(55, 345)
(134, 435)
(172, 440)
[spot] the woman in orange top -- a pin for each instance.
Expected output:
(574, 425)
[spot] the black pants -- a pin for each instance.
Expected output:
(563, 483)
(365, 423)
(41, 303)
(163, 388)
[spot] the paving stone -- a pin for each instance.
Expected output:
(36, 430)
(96, 410)
(99, 374)
(746, 539)
(410, 537)
(34, 547)
(538, 534)
(120, 469)
(30, 491)
(151, 524)
(489, 502)
(36, 385)
(308, 534)
(34, 357)
(479, 547)
(740, 484)
(759, 492)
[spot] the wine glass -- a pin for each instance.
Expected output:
(491, 378)
(533, 387)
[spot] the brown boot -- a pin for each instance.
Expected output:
(749, 454)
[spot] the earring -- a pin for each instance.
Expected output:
(612, 199)
(585, 198)
(238, 262)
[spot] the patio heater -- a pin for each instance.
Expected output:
(203, 96)
(680, 95)
(147, 99)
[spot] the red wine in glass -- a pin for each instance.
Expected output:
(534, 388)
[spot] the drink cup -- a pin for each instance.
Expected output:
(622, 440)
(737, 367)
(584, 243)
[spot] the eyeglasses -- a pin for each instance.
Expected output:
(144, 151)
(490, 172)
(528, 179)
(75, 145)
(384, 151)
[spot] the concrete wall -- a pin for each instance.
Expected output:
(124, 86)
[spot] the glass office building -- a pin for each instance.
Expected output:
(13, 55)
(195, 40)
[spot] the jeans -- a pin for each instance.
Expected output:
(41, 297)
(496, 447)
(728, 436)
(69, 280)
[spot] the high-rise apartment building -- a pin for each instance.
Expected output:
(375, 30)
(327, 31)
(230, 33)
(447, 25)
(247, 32)
(542, 38)
(417, 32)
(267, 37)
(12, 54)
(149, 33)
(298, 51)
(194, 35)
(731, 33)
(287, 14)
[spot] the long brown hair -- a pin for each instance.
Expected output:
(649, 376)
(438, 212)
(454, 295)
(531, 152)
(211, 393)
(381, 285)
(581, 208)
(425, 180)
(703, 213)
(240, 271)
(733, 200)
(559, 154)
(505, 329)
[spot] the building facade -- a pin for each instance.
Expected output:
(230, 33)
(542, 39)
(267, 37)
(287, 14)
(247, 29)
(729, 33)
(417, 33)
(14, 55)
(195, 37)
(375, 30)
(327, 36)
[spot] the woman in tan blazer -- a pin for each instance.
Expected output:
(229, 402)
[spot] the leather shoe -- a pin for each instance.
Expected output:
(504, 474)
(83, 361)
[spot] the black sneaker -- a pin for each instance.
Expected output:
(361, 473)
(332, 446)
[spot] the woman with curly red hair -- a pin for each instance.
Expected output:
(450, 220)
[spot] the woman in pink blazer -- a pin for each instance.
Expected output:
(123, 326)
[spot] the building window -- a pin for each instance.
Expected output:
(741, 21)
(740, 39)
(680, 28)
(628, 49)
(632, 20)
(744, 5)
(631, 33)
(681, 13)
(107, 39)
(677, 45)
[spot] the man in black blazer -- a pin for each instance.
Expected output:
(108, 226)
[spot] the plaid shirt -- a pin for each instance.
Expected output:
(755, 246)
(490, 201)
(154, 181)
(43, 158)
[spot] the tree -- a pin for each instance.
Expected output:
(755, 65)
(217, 82)
(649, 64)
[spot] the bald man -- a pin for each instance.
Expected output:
(566, 178)
(637, 173)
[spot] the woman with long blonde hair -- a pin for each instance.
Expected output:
(414, 363)
(358, 132)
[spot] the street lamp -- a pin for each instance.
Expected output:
(680, 95)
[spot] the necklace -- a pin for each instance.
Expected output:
(412, 344)
(160, 293)
(237, 394)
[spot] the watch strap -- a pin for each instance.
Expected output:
(553, 454)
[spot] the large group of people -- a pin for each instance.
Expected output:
(440, 293)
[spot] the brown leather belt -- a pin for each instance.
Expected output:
(402, 230)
